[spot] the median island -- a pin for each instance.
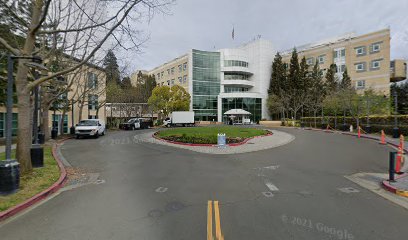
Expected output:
(208, 135)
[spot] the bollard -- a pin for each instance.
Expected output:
(392, 167)
(351, 128)
(221, 140)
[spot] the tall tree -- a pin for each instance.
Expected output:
(110, 64)
(317, 90)
(345, 81)
(180, 99)
(331, 78)
(76, 28)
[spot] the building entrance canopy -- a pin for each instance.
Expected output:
(238, 116)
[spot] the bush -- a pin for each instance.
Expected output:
(377, 123)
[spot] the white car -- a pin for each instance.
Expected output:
(90, 127)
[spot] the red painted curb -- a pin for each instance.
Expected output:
(386, 184)
(209, 145)
(42, 195)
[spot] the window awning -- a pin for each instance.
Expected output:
(237, 112)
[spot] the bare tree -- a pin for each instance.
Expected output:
(76, 28)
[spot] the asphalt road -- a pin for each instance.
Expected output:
(149, 191)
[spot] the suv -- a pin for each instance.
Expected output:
(90, 127)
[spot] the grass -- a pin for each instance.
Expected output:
(208, 135)
(33, 183)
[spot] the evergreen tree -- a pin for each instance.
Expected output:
(110, 63)
(331, 79)
(293, 76)
(278, 76)
(345, 81)
(126, 83)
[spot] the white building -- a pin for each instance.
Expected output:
(218, 81)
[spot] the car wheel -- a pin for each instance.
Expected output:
(97, 135)
(103, 133)
(77, 136)
(133, 128)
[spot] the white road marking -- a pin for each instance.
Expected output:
(161, 189)
(271, 186)
(272, 167)
(267, 194)
(348, 190)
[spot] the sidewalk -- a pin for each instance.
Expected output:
(3, 148)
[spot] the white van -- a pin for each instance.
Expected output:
(90, 127)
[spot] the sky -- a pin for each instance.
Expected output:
(208, 24)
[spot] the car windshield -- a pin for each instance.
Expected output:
(88, 123)
(131, 121)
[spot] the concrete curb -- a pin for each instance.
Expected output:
(386, 184)
(42, 195)
(209, 145)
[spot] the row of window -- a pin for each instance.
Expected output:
(362, 50)
(92, 80)
(181, 80)
(235, 89)
(170, 71)
(235, 63)
(232, 76)
(341, 53)
(362, 66)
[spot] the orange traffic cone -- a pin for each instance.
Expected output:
(402, 141)
(359, 132)
(382, 137)
(400, 159)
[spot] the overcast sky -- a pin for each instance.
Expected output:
(205, 24)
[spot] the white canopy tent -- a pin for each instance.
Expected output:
(238, 116)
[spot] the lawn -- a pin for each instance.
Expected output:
(34, 182)
(208, 135)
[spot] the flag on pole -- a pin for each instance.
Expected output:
(233, 33)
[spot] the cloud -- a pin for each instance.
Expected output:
(205, 24)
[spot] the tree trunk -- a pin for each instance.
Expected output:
(46, 122)
(315, 116)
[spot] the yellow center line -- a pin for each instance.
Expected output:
(218, 233)
(209, 221)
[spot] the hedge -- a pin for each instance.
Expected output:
(377, 123)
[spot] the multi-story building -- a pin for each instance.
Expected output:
(87, 87)
(218, 81)
(239, 78)
(366, 57)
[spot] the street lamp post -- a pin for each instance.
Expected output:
(9, 105)
(395, 130)
(72, 129)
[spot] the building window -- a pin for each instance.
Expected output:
(184, 66)
(340, 53)
(172, 82)
(309, 61)
(180, 79)
(3, 125)
(375, 64)
(235, 63)
(360, 51)
(235, 76)
(321, 59)
(92, 80)
(375, 47)
(158, 76)
(168, 82)
(360, 84)
(168, 71)
(92, 102)
(341, 68)
(185, 79)
(172, 70)
(235, 89)
(162, 74)
(360, 67)
(180, 68)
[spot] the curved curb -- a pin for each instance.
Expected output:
(387, 185)
(207, 144)
(42, 195)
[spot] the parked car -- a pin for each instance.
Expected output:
(90, 127)
(180, 118)
(136, 123)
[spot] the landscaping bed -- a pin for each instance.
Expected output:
(208, 135)
(33, 183)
